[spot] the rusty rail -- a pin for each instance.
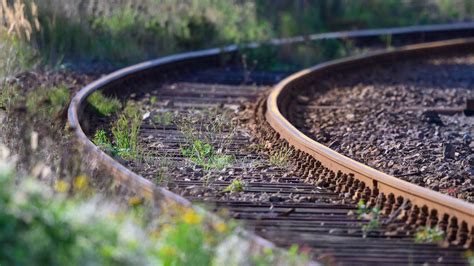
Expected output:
(156, 68)
(459, 211)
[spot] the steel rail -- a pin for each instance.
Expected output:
(275, 115)
(123, 174)
(153, 69)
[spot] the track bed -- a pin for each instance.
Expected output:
(276, 202)
(380, 117)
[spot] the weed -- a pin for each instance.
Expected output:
(131, 110)
(163, 165)
(47, 102)
(429, 235)
(102, 141)
(165, 118)
(153, 100)
(207, 135)
(104, 105)
(280, 157)
(124, 142)
(204, 154)
(120, 131)
(236, 186)
(371, 214)
(8, 96)
(125, 132)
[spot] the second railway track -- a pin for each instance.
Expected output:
(279, 202)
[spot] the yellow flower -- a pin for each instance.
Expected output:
(135, 201)
(221, 227)
(80, 182)
(61, 186)
(191, 217)
(168, 251)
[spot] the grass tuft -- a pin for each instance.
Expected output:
(125, 132)
(236, 186)
(204, 154)
(280, 157)
(48, 102)
(207, 136)
(104, 105)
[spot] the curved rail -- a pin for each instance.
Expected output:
(335, 161)
(158, 68)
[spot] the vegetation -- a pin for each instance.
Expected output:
(164, 118)
(429, 235)
(64, 225)
(205, 155)
(207, 135)
(47, 102)
(125, 132)
(235, 186)
(72, 225)
(280, 157)
(371, 214)
(104, 105)
(69, 30)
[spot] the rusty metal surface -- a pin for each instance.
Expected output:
(463, 211)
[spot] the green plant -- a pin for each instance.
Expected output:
(8, 95)
(101, 140)
(235, 186)
(280, 157)
(429, 235)
(165, 118)
(371, 214)
(153, 100)
(204, 154)
(207, 135)
(125, 133)
(104, 105)
(47, 102)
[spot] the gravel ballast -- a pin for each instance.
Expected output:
(378, 116)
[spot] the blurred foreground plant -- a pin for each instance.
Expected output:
(70, 225)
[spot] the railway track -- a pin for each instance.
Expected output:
(307, 199)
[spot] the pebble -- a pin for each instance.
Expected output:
(448, 151)
(389, 129)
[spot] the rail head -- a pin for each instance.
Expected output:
(335, 161)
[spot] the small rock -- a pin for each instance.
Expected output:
(302, 99)
(276, 199)
(470, 160)
(467, 138)
(448, 151)
(432, 118)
